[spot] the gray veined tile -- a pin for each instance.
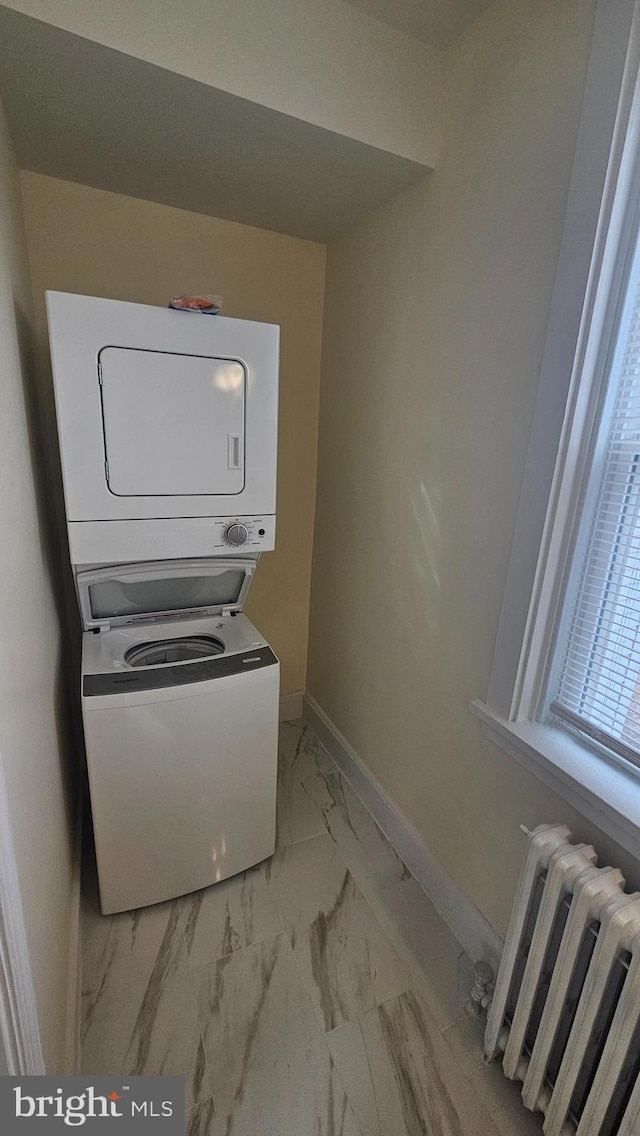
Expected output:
(516, 1120)
(439, 966)
(200, 1119)
(465, 1039)
(229, 916)
(364, 847)
(405, 912)
(312, 746)
(271, 1068)
(425, 943)
(302, 750)
(139, 1014)
(298, 817)
(289, 734)
(346, 961)
(129, 943)
(400, 1076)
(501, 1096)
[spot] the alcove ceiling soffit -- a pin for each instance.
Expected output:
(86, 113)
(432, 21)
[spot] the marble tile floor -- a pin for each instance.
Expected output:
(318, 994)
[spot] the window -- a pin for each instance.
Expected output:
(595, 684)
(564, 695)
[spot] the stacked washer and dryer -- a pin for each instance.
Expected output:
(167, 425)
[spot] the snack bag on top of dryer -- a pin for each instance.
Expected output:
(206, 305)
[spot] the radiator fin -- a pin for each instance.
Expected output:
(622, 1093)
(565, 1016)
(630, 1123)
(565, 865)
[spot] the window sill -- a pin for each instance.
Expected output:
(606, 794)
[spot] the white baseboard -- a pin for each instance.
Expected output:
(468, 925)
(74, 980)
(291, 706)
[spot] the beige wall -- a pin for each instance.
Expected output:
(32, 689)
(103, 244)
(435, 318)
(322, 61)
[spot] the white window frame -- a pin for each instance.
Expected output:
(595, 242)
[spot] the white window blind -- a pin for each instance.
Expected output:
(599, 680)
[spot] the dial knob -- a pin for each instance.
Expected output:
(236, 534)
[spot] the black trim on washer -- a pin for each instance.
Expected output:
(158, 678)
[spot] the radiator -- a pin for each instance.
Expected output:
(565, 1014)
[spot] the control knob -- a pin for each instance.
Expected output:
(236, 534)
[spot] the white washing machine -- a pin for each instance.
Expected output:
(180, 711)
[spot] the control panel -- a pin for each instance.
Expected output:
(250, 534)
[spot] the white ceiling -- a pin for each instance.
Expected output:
(87, 113)
(433, 21)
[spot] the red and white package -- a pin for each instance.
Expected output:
(206, 305)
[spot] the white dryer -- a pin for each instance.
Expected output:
(180, 711)
(168, 425)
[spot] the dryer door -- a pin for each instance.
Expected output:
(173, 424)
(122, 595)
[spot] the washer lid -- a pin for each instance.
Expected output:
(126, 594)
